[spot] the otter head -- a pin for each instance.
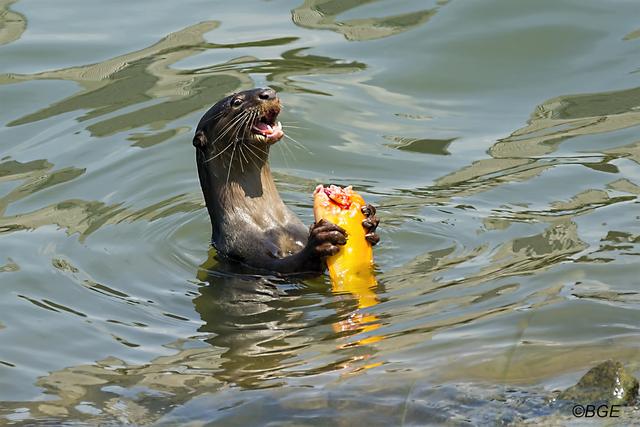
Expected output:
(232, 144)
(243, 120)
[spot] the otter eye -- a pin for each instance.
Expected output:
(236, 102)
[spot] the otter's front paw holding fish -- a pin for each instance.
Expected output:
(370, 223)
(325, 238)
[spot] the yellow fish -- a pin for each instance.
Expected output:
(351, 269)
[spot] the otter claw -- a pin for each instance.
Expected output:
(368, 210)
(372, 238)
(327, 249)
(324, 238)
(370, 224)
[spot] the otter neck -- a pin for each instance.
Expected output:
(233, 186)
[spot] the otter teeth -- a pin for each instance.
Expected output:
(263, 127)
(267, 129)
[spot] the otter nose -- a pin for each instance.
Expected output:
(267, 94)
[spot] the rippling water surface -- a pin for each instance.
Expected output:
(499, 140)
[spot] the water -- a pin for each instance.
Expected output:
(498, 139)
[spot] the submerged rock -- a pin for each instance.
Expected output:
(608, 383)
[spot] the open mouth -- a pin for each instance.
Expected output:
(266, 127)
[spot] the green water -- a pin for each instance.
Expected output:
(499, 140)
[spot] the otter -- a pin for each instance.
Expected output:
(250, 223)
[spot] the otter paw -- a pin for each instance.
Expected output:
(370, 224)
(325, 238)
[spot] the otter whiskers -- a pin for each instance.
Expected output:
(226, 129)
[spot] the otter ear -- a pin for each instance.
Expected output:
(199, 139)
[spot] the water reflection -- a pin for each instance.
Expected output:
(323, 15)
(424, 145)
(295, 62)
(526, 152)
(529, 151)
(364, 290)
(9, 267)
(37, 175)
(140, 77)
(264, 323)
(521, 157)
(257, 324)
(495, 298)
(256, 328)
(137, 78)
(12, 24)
(632, 35)
(86, 217)
(117, 391)
(74, 215)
